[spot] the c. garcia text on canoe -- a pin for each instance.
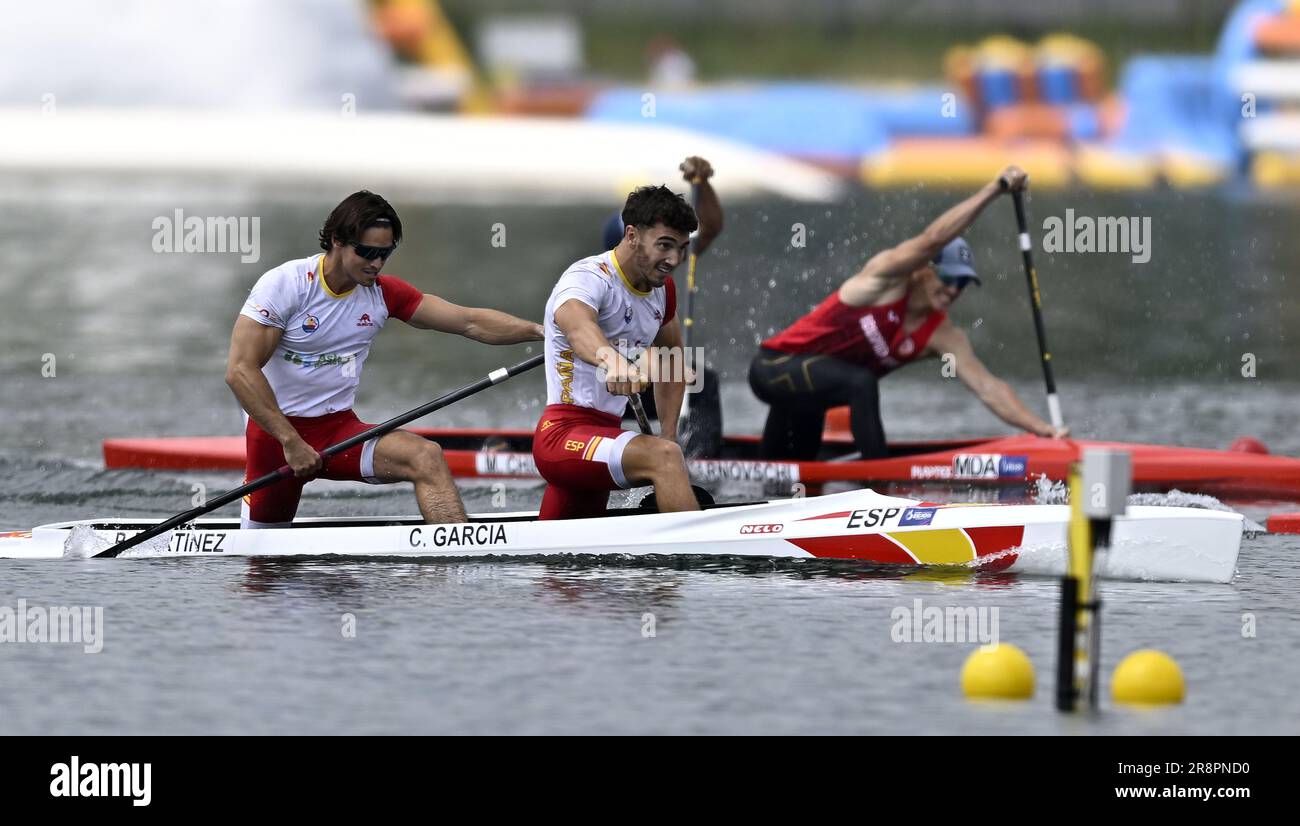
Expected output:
(459, 536)
(191, 542)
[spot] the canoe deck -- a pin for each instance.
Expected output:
(1148, 543)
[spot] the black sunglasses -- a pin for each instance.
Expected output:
(958, 281)
(371, 253)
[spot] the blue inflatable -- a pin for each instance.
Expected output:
(806, 120)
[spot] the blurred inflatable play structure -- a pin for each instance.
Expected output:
(1260, 54)
(521, 114)
(436, 71)
(1175, 120)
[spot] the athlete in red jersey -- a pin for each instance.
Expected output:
(295, 362)
(892, 312)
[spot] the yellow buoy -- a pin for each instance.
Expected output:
(1001, 672)
(1147, 677)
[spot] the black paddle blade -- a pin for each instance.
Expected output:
(701, 431)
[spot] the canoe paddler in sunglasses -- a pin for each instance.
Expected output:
(891, 313)
(603, 314)
(295, 362)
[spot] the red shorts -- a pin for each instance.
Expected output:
(275, 505)
(579, 452)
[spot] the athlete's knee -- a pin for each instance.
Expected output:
(651, 457)
(428, 461)
(672, 452)
(666, 458)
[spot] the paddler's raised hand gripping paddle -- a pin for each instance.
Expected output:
(284, 472)
(1036, 303)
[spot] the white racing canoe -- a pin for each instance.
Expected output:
(1150, 543)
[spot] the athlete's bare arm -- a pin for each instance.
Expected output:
(477, 323)
(709, 209)
(949, 341)
(251, 347)
(578, 323)
(670, 388)
(883, 279)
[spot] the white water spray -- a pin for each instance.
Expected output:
(219, 54)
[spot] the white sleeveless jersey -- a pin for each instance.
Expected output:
(629, 318)
(316, 366)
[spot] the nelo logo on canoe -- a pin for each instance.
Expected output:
(769, 527)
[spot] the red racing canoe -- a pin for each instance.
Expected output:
(995, 461)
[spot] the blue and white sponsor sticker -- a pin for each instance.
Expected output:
(916, 516)
(1013, 467)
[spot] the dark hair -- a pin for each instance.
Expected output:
(357, 213)
(650, 205)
